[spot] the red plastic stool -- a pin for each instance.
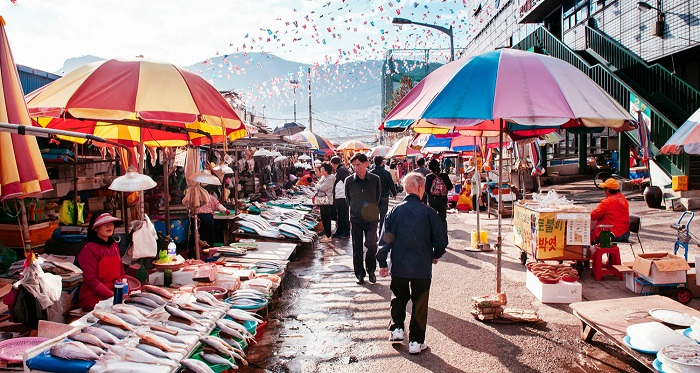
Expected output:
(601, 269)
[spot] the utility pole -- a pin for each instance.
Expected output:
(294, 83)
(311, 124)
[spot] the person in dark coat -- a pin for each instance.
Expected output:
(362, 190)
(388, 188)
(437, 202)
(414, 237)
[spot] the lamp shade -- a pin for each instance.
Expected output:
(132, 182)
(261, 153)
(304, 157)
(280, 158)
(205, 177)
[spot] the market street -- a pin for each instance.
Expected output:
(324, 322)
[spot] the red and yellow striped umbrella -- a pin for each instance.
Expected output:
(22, 171)
(105, 97)
(317, 142)
(353, 145)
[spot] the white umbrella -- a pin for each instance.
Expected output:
(280, 158)
(304, 157)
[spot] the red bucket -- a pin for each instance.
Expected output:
(260, 331)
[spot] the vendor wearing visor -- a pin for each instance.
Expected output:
(100, 261)
(613, 210)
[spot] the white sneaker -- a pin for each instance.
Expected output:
(325, 239)
(416, 348)
(397, 335)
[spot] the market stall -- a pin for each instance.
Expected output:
(556, 232)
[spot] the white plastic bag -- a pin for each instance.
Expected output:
(143, 240)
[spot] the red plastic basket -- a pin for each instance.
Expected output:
(260, 331)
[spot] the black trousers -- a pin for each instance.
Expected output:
(206, 228)
(341, 206)
(418, 292)
(439, 204)
(383, 209)
(368, 232)
(326, 218)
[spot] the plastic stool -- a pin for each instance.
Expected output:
(601, 269)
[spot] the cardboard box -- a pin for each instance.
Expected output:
(561, 292)
(96, 203)
(679, 182)
(692, 283)
(661, 268)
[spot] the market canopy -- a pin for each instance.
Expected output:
(686, 138)
(22, 170)
(353, 145)
(316, 141)
(173, 104)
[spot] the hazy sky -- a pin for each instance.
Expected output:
(44, 33)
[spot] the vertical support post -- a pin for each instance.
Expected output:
(75, 184)
(582, 156)
(166, 192)
(500, 204)
(623, 155)
(311, 123)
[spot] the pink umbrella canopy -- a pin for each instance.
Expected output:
(686, 138)
(22, 170)
(534, 92)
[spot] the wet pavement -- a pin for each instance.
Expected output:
(321, 321)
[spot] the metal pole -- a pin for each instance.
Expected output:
(311, 124)
(452, 45)
(477, 171)
(166, 192)
(25, 230)
(75, 184)
(500, 205)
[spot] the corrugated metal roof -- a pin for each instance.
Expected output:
(33, 79)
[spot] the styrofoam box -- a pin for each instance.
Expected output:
(631, 284)
(561, 292)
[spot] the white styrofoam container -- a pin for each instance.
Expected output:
(634, 286)
(561, 292)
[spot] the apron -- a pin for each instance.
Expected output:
(108, 271)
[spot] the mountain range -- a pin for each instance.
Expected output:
(346, 98)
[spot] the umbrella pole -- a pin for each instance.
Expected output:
(24, 230)
(477, 171)
(235, 182)
(500, 204)
(75, 184)
(166, 192)
(142, 163)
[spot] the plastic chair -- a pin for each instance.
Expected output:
(635, 226)
(601, 269)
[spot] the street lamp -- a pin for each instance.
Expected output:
(660, 15)
(294, 84)
(448, 31)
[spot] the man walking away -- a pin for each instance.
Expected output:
(341, 204)
(414, 235)
(421, 167)
(388, 188)
(362, 190)
(437, 185)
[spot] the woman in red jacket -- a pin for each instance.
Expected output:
(100, 261)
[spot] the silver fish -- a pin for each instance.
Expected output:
(95, 349)
(237, 314)
(158, 291)
(73, 351)
(154, 340)
(111, 319)
(128, 318)
(155, 298)
(235, 333)
(155, 351)
(139, 356)
(169, 337)
(88, 339)
(179, 313)
(234, 325)
(196, 366)
(145, 302)
(209, 299)
(180, 326)
(193, 307)
(130, 310)
(216, 359)
(102, 334)
(234, 345)
(222, 348)
(113, 330)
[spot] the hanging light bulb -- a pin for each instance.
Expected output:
(132, 182)
(205, 177)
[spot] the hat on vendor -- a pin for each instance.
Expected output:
(611, 184)
(271, 185)
(106, 218)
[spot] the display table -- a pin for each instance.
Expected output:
(608, 318)
(551, 234)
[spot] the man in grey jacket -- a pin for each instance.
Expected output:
(416, 239)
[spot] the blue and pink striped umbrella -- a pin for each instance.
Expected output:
(535, 93)
(686, 138)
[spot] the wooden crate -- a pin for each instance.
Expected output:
(10, 234)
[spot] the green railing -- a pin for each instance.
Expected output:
(661, 127)
(655, 79)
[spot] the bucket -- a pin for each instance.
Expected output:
(653, 196)
(475, 238)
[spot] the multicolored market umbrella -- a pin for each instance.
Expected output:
(686, 138)
(353, 145)
(316, 141)
(136, 92)
(535, 93)
(22, 171)
(379, 151)
(402, 148)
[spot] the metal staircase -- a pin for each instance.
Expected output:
(662, 128)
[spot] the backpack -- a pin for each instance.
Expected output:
(438, 187)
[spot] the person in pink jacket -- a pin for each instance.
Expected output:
(100, 261)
